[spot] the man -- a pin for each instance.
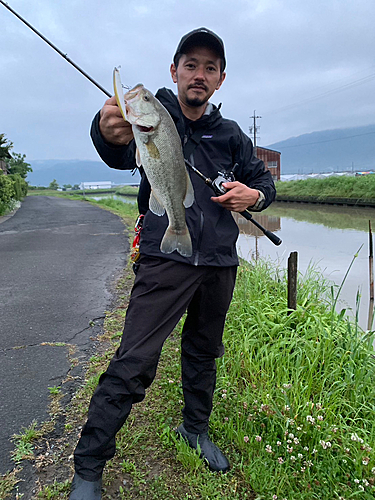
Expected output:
(166, 285)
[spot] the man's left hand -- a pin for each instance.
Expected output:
(238, 197)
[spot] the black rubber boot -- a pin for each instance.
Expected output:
(214, 457)
(85, 490)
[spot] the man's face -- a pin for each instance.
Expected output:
(197, 76)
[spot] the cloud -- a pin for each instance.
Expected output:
(286, 59)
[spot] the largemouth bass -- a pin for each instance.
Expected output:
(159, 151)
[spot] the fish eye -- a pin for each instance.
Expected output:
(146, 98)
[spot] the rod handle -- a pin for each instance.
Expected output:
(271, 236)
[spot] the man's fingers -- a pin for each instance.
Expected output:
(111, 101)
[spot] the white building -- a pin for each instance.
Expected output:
(95, 185)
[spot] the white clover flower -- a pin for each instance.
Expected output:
(300, 455)
(373, 470)
(280, 460)
(306, 448)
(246, 439)
(355, 437)
(289, 449)
(258, 438)
(325, 444)
(293, 458)
(269, 448)
(365, 482)
(296, 441)
(356, 481)
(319, 406)
(320, 417)
(299, 428)
(278, 443)
(315, 451)
(310, 419)
(365, 460)
(291, 436)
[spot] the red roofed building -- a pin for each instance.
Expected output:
(271, 159)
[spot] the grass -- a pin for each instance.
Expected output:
(360, 188)
(24, 443)
(293, 409)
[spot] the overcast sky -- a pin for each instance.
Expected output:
(303, 66)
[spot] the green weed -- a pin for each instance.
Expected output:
(24, 443)
(56, 490)
(54, 390)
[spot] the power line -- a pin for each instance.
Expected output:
(327, 140)
(341, 88)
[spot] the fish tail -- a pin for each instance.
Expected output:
(177, 240)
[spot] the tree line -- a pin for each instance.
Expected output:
(13, 173)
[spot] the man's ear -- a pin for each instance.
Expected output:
(173, 73)
(222, 78)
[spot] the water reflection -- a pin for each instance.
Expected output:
(327, 236)
(124, 199)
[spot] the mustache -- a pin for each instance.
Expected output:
(197, 85)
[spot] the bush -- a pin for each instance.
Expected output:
(12, 188)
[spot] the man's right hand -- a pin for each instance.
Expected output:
(112, 125)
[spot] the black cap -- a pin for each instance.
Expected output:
(201, 37)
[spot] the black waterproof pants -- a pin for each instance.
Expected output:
(163, 290)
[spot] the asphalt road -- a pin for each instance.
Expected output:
(58, 260)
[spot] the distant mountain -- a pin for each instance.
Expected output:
(76, 171)
(318, 152)
(336, 150)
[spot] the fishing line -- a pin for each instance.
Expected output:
(56, 49)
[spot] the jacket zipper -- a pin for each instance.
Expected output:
(201, 222)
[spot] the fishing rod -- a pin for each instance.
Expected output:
(217, 187)
(56, 49)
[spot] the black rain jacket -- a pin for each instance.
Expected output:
(221, 144)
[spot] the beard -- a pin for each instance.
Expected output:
(195, 102)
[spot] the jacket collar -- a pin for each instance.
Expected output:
(169, 100)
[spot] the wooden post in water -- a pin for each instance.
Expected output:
(292, 282)
(371, 271)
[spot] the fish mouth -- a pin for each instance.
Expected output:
(142, 128)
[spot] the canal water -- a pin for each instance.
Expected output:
(326, 237)
(125, 199)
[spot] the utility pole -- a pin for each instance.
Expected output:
(254, 129)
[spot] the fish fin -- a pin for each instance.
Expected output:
(189, 197)
(155, 206)
(152, 149)
(180, 241)
(138, 158)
